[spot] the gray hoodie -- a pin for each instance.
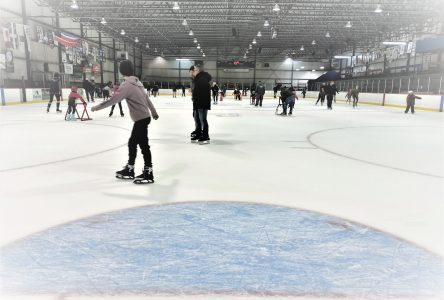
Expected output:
(139, 104)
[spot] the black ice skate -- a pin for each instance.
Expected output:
(145, 177)
(203, 141)
(193, 134)
(126, 173)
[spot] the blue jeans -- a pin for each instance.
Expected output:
(200, 120)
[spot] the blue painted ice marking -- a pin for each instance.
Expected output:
(219, 247)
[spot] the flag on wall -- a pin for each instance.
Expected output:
(14, 36)
(67, 39)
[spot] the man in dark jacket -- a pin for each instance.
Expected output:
(260, 92)
(411, 102)
(88, 86)
(330, 91)
(201, 96)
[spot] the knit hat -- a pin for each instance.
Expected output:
(74, 89)
(126, 68)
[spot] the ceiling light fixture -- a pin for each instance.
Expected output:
(327, 35)
(348, 25)
(155, 50)
(103, 22)
(394, 43)
(191, 32)
(276, 7)
(198, 46)
(176, 6)
(314, 42)
(266, 23)
(184, 22)
(250, 47)
(147, 45)
(122, 32)
(302, 48)
(136, 39)
(254, 41)
(259, 34)
(378, 9)
(195, 40)
(74, 5)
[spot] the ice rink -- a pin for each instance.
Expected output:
(346, 203)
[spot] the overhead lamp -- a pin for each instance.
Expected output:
(322, 68)
(203, 55)
(155, 50)
(195, 40)
(389, 43)
(378, 9)
(161, 54)
(136, 39)
(313, 42)
(198, 46)
(245, 55)
(259, 34)
(348, 25)
(184, 22)
(276, 7)
(327, 35)
(250, 47)
(122, 32)
(183, 59)
(302, 48)
(103, 22)
(147, 45)
(191, 32)
(266, 23)
(298, 69)
(247, 51)
(74, 5)
(302, 67)
(341, 57)
(254, 41)
(293, 52)
(176, 6)
(313, 70)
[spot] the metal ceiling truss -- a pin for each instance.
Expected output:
(227, 28)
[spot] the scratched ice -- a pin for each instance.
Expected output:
(219, 247)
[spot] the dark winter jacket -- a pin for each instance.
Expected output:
(201, 91)
(215, 89)
(54, 86)
(88, 85)
(260, 89)
(411, 99)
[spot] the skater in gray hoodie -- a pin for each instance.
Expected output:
(141, 108)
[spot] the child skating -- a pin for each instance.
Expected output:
(73, 96)
(141, 108)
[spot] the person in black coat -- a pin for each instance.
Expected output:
(330, 91)
(201, 96)
(215, 90)
(89, 89)
(54, 90)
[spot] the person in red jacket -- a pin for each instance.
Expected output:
(71, 114)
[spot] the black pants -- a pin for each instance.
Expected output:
(112, 109)
(201, 122)
(72, 106)
(89, 93)
(139, 136)
(329, 101)
(355, 101)
(410, 106)
(259, 99)
(51, 98)
(322, 98)
(215, 98)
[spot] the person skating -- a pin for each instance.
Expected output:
(54, 90)
(88, 86)
(141, 109)
(288, 97)
(304, 91)
(215, 90)
(330, 91)
(71, 113)
(183, 90)
(174, 91)
(201, 96)
(321, 95)
(260, 92)
(114, 90)
(355, 96)
(411, 102)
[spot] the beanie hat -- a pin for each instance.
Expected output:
(126, 68)
(74, 89)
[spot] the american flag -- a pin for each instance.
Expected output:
(67, 39)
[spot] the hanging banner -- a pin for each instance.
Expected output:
(9, 57)
(14, 36)
(69, 69)
(67, 39)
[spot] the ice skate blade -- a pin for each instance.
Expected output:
(143, 181)
(194, 141)
(124, 177)
(204, 143)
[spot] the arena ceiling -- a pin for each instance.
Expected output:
(225, 29)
